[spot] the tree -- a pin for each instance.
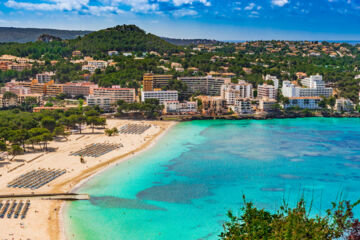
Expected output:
(19, 137)
(48, 123)
(3, 146)
(45, 138)
(15, 150)
(60, 131)
(94, 121)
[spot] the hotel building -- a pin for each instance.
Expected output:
(231, 91)
(315, 87)
(204, 85)
(151, 81)
(115, 94)
(303, 102)
(162, 96)
(267, 91)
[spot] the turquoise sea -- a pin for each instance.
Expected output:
(183, 186)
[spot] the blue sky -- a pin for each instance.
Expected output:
(214, 19)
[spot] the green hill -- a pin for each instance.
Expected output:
(125, 38)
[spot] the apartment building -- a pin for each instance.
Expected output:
(162, 96)
(18, 100)
(231, 91)
(77, 89)
(204, 85)
(104, 102)
(267, 91)
(180, 108)
(242, 106)
(98, 64)
(212, 106)
(49, 88)
(20, 66)
(303, 102)
(314, 87)
(89, 68)
(274, 79)
(151, 81)
(52, 89)
(344, 105)
(115, 94)
(44, 77)
(267, 105)
(17, 89)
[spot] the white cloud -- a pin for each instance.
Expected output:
(184, 12)
(280, 3)
(182, 2)
(142, 6)
(250, 6)
(68, 5)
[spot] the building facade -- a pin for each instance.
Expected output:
(314, 87)
(303, 102)
(204, 85)
(267, 91)
(162, 96)
(115, 94)
(231, 91)
(151, 81)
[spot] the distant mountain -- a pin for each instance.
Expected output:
(121, 38)
(22, 35)
(186, 42)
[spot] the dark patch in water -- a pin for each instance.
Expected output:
(115, 202)
(207, 236)
(175, 192)
(272, 189)
(289, 176)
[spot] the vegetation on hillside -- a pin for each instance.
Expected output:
(293, 223)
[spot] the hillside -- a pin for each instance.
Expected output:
(22, 35)
(121, 38)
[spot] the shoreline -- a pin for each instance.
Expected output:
(84, 178)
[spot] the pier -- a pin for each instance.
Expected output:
(48, 196)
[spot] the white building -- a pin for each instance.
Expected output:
(113, 53)
(44, 77)
(267, 105)
(162, 96)
(303, 102)
(242, 106)
(314, 87)
(101, 101)
(274, 79)
(98, 64)
(115, 93)
(267, 91)
(89, 68)
(230, 92)
(344, 105)
(182, 108)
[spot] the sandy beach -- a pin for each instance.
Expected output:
(43, 220)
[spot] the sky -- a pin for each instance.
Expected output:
(211, 19)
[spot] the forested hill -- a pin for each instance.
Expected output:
(120, 38)
(22, 35)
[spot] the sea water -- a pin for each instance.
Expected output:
(183, 187)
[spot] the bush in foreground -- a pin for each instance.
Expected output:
(293, 223)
